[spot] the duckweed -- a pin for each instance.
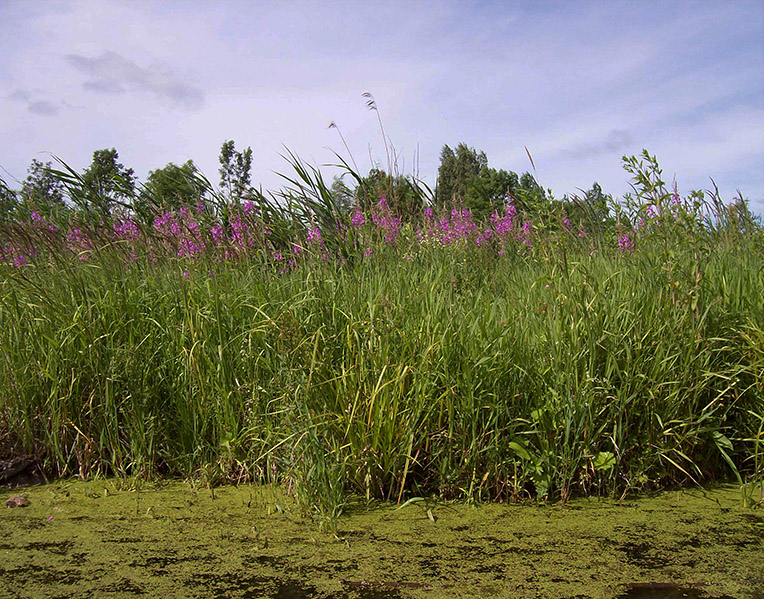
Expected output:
(120, 538)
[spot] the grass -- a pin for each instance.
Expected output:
(390, 359)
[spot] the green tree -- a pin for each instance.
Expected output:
(235, 171)
(8, 202)
(41, 190)
(344, 196)
(596, 208)
(529, 196)
(173, 186)
(458, 169)
(402, 196)
(465, 179)
(589, 211)
(106, 183)
(490, 190)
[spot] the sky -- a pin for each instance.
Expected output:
(579, 84)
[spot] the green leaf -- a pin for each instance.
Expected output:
(604, 460)
(520, 450)
(723, 443)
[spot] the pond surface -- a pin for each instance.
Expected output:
(131, 539)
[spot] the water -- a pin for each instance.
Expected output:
(127, 539)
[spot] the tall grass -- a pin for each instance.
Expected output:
(363, 355)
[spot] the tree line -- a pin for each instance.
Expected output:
(465, 181)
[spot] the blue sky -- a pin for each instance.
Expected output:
(580, 84)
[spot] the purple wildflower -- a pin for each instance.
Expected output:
(358, 220)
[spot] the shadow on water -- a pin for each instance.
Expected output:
(264, 587)
(642, 555)
(663, 590)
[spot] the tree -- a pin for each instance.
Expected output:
(465, 179)
(234, 171)
(590, 211)
(401, 195)
(456, 172)
(490, 191)
(8, 202)
(596, 206)
(529, 195)
(173, 186)
(107, 183)
(344, 196)
(41, 190)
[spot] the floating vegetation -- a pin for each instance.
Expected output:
(176, 538)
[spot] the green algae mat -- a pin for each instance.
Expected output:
(127, 539)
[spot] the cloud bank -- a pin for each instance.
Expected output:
(111, 73)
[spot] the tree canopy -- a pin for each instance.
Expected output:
(42, 191)
(107, 183)
(8, 202)
(235, 171)
(458, 169)
(465, 179)
(173, 186)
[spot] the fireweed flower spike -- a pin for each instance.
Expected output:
(624, 243)
(358, 220)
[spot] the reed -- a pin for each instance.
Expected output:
(356, 354)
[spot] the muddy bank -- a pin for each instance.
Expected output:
(129, 539)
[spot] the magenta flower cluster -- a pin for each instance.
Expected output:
(358, 220)
(15, 254)
(624, 243)
(386, 222)
(191, 233)
(461, 227)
